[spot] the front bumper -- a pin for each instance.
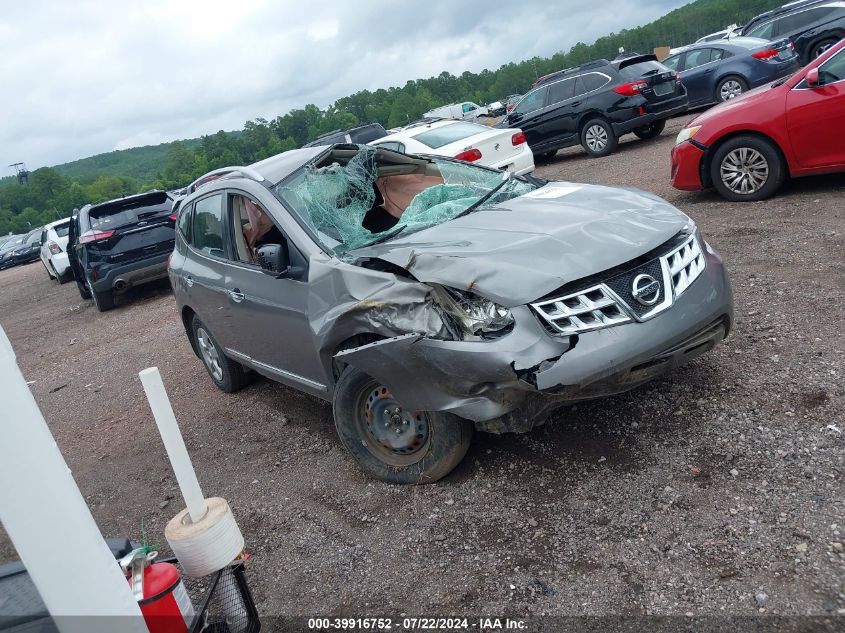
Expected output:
(121, 278)
(512, 383)
(686, 167)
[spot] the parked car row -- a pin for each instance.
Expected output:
(20, 249)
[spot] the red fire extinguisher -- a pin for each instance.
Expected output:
(157, 587)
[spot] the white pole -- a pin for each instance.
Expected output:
(173, 443)
(49, 523)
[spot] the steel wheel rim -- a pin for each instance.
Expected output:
(730, 89)
(744, 171)
(596, 138)
(392, 434)
(209, 354)
(820, 50)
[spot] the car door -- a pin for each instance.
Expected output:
(203, 274)
(561, 119)
(269, 309)
(814, 117)
(73, 247)
(699, 74)
(530, 116)
(45, 250)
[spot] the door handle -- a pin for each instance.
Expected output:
(189, 281)
(236, 295)
(575, 105)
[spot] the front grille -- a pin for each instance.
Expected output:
(685, 264)
(590, 309)
(613, 302)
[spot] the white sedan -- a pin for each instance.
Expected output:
(492, 147)
(54, 238)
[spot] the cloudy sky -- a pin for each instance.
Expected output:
(86, 76)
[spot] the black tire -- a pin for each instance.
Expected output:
(730, 87)
(598, 138)
(653, 130)
(84, 292)
(431, 443)
(103, 300)
(64, 277)
(746, 157)
(231, 376)
(49, 271)
(548, 155)
(819, 48)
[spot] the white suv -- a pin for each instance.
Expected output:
(54, 250)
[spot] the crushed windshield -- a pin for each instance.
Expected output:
(355, 198)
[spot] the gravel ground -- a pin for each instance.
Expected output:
(717, 490)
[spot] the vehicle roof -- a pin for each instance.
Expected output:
(786, 9)
(127, 199)
(280, 166)
(411, 132)
(50, 225)
(741, 43)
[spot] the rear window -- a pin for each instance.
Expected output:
(642, 69)
(130, 211)
(367, 134)
(448, 134)
(62, 229)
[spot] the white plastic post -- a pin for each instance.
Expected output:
(49, 522)
(173, 443)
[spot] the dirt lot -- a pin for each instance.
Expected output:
(715, 491)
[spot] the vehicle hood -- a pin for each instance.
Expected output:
(526, 247)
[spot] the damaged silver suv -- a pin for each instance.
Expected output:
(426, 297)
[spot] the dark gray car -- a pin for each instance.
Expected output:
(425, 297)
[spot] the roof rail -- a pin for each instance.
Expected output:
(224, 172)
(596, 63)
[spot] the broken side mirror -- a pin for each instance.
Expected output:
(813, 78)
(273, 259)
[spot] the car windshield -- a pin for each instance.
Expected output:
(351, 199)
(447, 134)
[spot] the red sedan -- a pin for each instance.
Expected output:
(746, 147)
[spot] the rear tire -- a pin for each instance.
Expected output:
(598, 139)
(392, 444)
(653, 130)
(225, 373)
(64, 277)
(820, 48)
(730, 87)
(103, 300)
(747, 169)
(48, 267)
(84, 292)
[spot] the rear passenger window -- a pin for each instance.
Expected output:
(763, 31)
(593, 81)
(185, 223)
(701, 57)
(561, 91)
(532, 101)
(208, 226)
(672, 62)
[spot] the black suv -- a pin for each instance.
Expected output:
(813, 26)
(597, 103)
(360, 135)
(115, 245)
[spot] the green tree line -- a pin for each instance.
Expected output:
(53, 192)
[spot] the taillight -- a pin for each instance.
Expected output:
(791, 45)
(517, 139)
(510, 106)
(469, 155)
(55, 249)
(94, 236)
(678, 77)
(172, 217)
(631, 89)
(766, 54)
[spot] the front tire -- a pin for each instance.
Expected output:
(653, 130)
(730, 87)
(390, 443)
(598, 139)
(225, 373)
(747, 169)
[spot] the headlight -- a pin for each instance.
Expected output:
(473, 314)
(687, 133)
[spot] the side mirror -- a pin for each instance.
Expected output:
(813, 78)
(273, 258)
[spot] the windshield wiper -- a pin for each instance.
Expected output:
(387, 236)
(484, 198)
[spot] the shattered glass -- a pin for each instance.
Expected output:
(334, 199)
